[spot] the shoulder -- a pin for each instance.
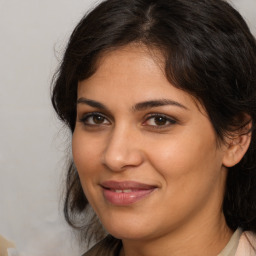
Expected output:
(109, 246)
(247, 244)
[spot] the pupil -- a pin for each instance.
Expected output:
(160, 120)
(98, 119)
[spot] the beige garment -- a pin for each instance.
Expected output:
(240, 244)
(247, 244)
(231, 247)
(4, 245)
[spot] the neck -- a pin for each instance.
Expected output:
(207, 239)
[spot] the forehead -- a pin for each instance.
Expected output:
(131, 72)
(129, 58)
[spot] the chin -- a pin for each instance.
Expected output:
(129, 234)
(129, 229)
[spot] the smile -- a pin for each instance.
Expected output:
(125, 193)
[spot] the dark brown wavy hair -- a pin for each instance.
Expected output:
(209, 52)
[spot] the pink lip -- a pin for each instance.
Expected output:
(126, 192)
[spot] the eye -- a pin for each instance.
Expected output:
(159, 120)
(94, 119)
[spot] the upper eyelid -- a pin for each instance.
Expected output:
(90, 114)
(111, 120)
(87, 114)
(152, 115)
(104, 113)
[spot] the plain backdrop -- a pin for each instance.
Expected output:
(33, 35)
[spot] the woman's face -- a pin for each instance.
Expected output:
(145, 152)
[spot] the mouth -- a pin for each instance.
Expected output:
(125, 193)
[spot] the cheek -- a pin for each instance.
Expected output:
(182, 154)
(86, 154)
(187, 161)
(191, 175)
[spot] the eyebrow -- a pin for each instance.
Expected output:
(92, 103)
(137, 107)
(157, 103)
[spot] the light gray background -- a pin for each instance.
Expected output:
(33, 34)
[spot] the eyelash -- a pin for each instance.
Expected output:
(171, 121)
(84, 119)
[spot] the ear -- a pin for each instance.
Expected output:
(237, 146)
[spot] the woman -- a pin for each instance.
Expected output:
(160, 98)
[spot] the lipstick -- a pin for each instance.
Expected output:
(126, 192)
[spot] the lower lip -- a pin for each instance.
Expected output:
(125, 198)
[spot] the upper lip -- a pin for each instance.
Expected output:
(111, 184)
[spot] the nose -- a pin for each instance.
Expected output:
(123, 150)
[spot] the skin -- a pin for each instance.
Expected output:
(178, 154)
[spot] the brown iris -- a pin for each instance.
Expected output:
(97, 119)
(159, 120)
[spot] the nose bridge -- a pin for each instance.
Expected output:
(122, 148)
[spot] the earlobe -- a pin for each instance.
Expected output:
(236, 148)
